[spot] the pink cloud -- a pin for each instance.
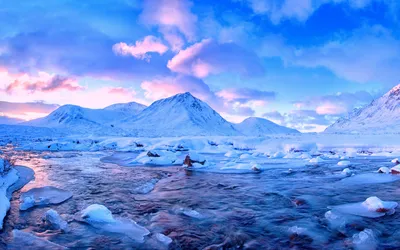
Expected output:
(121, 91)
(210, 57)
(43, 83)
(331, 109)
(140, 49)
(171, 14)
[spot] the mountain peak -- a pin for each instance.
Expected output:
(256, 126)
(395, 91)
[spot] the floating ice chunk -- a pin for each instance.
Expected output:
(365, 240)
(43, 196)
(384, 170)
(55, 221)
(242, 166)
(305, 156)
(147, 187)
(191, 213)
(100, 217)
(344, 157)
(351, 154)
(373, 207)
(395, 169)
(375, 204)
(24, 240)
(231, 154)
(347, 172)
(331, 156)
(395, 161)
(335, 220)
(369, 178)
(163, 239)
(154, 157)
(317, 160)
(344, 163)
(278, 155)
(297, 230)
(245, 156)
(97, 213)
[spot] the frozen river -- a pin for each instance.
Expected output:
(273, 209)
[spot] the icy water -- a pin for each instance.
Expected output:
(273, 209)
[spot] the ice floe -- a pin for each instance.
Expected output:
(369, 178)
(347, 172)
(156, 157)
(231, 154)
(163, 239)
(365, 240)
(43, 196)
(55, 221)
(344, 163)
(101, 217)
(316, 161)
(395, 169)
(384, 170)
(372, 207)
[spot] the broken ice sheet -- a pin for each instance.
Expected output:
(43, 196)
(101, 217)
(372, 207)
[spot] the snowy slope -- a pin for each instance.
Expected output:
(179, 115)
(254, 126)
(9, 120)
(81, 120)
(381, 116)
(130, 108)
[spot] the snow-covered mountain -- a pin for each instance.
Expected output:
(255, 126)
(381, 116)
(81, 120)
(130, 108)
(9, 121)
(179, 115)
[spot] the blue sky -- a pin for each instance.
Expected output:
(300, 63)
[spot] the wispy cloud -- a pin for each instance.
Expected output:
(141, 49)
(210, 57)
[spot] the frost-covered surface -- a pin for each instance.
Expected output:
(43, 196)
(101, 217)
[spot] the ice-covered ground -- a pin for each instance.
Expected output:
(305, 191)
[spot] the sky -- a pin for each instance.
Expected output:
(299, 63)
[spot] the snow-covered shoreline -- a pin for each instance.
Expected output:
(387, 144)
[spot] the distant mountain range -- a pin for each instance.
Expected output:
(179, 115)
(381, 116)
(254, 126)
